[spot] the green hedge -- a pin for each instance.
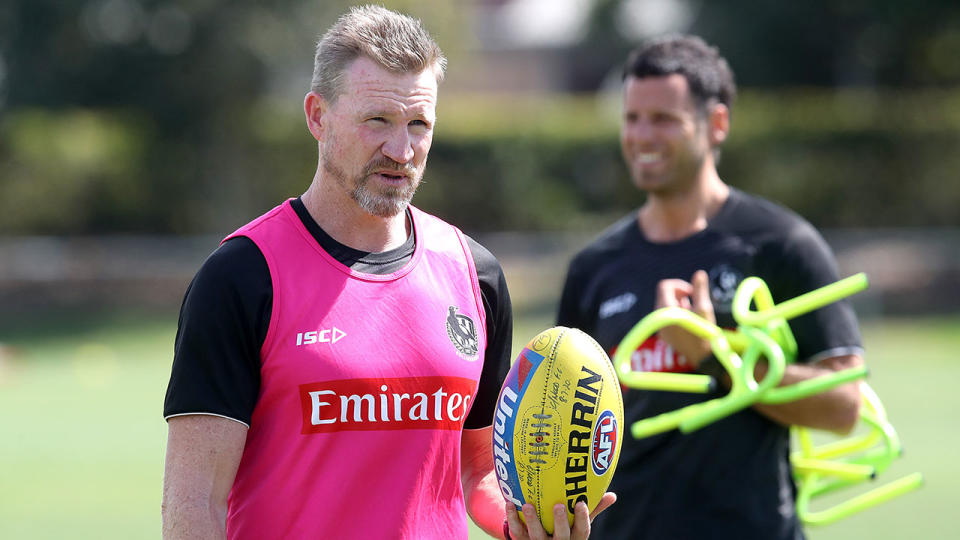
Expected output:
(841, 158)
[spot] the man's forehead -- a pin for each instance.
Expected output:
(672, 89)
(368, 80)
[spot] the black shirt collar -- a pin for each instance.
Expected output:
(385, 262)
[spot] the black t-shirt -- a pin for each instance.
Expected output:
(226, 313)
(731, 479)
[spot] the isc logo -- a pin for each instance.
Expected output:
(331, 335)
(604, 442)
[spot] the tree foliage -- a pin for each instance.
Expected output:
(183, 116)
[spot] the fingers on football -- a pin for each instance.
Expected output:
(605, 502)
(518, 531)
(561, 528)
(581, 521)
(534, 527)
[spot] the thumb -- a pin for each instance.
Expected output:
(701, 296)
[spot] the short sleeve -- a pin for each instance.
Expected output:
(499, 314)
(799, 264)
(222, 325)
(569, 312)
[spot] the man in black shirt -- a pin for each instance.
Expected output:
(730, 479)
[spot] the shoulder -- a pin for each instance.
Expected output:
(427, 222)
(788, 246)
(258, 223)
(484, 261)
(489, 270)
(752, 215)
(237, 266)
(235, 256)
(481, 255)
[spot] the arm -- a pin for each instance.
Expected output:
(569, 312)
(486, 506)
(480, 490)
(203, 453)
(836, 410)
(800, 262)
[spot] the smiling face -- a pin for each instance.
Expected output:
(664, 139)
(375, 137)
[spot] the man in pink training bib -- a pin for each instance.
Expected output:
(338, 359)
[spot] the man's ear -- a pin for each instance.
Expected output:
(314, 108)
(718, 124)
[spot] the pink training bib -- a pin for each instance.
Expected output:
(365, 384)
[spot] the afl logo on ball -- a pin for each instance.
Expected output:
(604, 442)
(462, 332)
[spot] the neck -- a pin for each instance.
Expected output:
(675, 215)
(343, 219)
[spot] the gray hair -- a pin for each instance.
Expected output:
(397, 42)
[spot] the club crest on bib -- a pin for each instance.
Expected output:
(462, 332)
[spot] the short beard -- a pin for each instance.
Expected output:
(391, 200)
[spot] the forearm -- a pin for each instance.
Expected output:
(481, 492)
(185, 519)
(203, 453)
(836, 410)
(485, 504)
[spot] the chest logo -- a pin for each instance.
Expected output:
(462, 332)
(617, 304)
(325, 335)
(382, 404)
(724, 280)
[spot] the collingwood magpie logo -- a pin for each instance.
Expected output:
(724, 280)
(462, 331)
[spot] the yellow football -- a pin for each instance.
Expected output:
(558, 424)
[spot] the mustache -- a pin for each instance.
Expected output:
(388, 165)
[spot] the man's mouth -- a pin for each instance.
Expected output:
(646, 158)
(392, 176)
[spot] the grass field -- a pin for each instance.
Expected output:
(82, 439)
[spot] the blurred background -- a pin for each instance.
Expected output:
(134, 134)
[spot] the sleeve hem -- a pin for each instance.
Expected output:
(169, 416)
(831, 353)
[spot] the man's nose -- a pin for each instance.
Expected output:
(640, 130)
(399, 146)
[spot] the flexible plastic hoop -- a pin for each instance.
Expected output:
(818, 470)
(763, 331)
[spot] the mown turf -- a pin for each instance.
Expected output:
(82, 439)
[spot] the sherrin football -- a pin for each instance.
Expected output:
(557, 427)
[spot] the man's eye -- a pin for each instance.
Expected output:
(377, 120)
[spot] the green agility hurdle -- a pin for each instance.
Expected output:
(764, 332)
